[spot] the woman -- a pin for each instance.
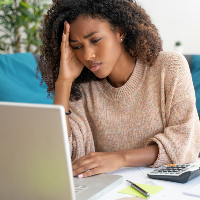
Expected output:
(127, 102)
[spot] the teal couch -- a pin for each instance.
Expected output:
(18, 81)
(194, 63)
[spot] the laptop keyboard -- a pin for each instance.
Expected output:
(79, 188)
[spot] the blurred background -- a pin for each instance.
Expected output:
(20, 23)
(178, 22)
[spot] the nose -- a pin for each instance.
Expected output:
(89, 53)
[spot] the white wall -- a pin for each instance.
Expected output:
(176, 20)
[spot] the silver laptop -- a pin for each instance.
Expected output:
(35, 162)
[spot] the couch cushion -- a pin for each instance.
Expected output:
(18, 81)
(195, 70)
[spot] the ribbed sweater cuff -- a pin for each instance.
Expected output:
(163, 158)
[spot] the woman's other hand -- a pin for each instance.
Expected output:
(97, 163)
(105, 162)
(70, 66)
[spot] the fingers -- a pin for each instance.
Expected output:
(65, 37)
(91, 172)
(89, 158)
(83, 164)
(85, 169)
(97, 163)
(87, 165)
(84, 158)
(66, 33)
(67, 28)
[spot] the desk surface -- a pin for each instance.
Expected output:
(172, 191)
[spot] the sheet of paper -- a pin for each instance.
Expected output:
(193, 191)
(151, 189)
(131, 198)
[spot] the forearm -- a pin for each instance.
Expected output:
(61, 97)
(139, 157)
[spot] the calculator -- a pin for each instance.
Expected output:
(176, 173)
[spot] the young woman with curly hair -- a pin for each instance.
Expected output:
(131, 103)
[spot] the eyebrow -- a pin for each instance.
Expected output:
(85, 37)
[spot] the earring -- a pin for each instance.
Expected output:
(121, 39)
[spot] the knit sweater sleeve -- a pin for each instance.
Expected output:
(180, 142)
(81, 139)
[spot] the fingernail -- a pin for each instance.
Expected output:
(80, 175)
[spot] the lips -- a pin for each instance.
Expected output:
(94, 66)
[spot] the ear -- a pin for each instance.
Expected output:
(120, 34)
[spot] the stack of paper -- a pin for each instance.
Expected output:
(193, 191)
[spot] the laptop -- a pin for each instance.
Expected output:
(35, 161)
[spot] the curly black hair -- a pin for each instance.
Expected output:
(141, 36)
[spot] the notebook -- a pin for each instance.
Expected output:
(35, 157)
(193, 191)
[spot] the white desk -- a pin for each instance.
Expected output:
(172, 191)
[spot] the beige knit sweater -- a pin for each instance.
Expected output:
(156, 105)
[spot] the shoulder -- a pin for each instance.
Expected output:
(171, 62)
(170, 58)
(176, 75)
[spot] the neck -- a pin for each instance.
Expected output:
(122, 71)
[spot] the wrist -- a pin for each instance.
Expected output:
(123, 157)
(129, 158)
(140, 156)
(60, 81)
(62, 93)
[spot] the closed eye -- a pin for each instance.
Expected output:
(76, 48)
(94, 41)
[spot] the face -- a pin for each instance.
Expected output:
(96, 45)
